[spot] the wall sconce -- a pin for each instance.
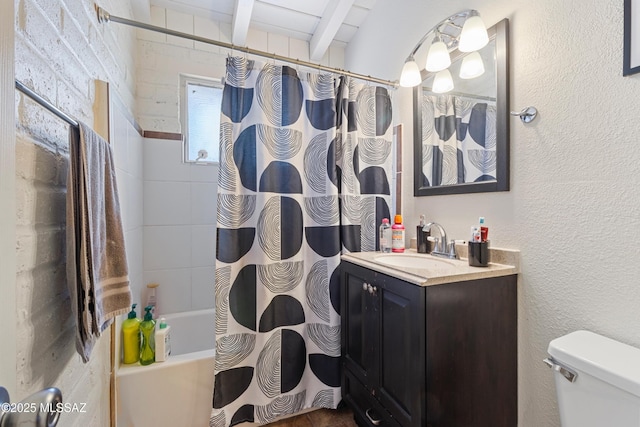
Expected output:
(464, 30)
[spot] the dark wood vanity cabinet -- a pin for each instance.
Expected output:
(436, 356)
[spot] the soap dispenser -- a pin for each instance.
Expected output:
(422, 242)
(148, 329)
(131, 337)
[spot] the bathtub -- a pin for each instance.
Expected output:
(177, 392)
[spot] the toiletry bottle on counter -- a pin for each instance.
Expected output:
(385, 236)
(148, 330)
(484, 230)
(397, 235)
(163, 341)
(422, 244)
(131, 337)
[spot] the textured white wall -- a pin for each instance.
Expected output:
(574, 201)
(60, 49)
(163, 58)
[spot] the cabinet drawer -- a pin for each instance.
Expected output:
(366, 409)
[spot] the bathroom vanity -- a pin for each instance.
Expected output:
(429, 342)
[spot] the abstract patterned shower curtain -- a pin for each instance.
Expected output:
(458, 140)
(289, 143)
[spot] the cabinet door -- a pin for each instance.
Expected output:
(472, 353)
(358, 325)
(402, 350)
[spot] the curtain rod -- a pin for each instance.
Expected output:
(104, 16)
(46, 104)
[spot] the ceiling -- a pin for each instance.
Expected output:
(320, 22)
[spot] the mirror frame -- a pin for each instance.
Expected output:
(500, 32)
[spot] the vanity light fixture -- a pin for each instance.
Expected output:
(472, 66)
(410, 73)
(438, 57)
(464, 29)
(442, 82)
(474, 35)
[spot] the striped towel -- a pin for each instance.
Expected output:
(97, 273)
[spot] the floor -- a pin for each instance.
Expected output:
(320, 418)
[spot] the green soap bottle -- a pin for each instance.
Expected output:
(131, 337)
(148, 329)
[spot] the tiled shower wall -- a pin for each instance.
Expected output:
(127, 144)
(179, 228)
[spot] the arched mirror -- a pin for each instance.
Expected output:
(461, 137)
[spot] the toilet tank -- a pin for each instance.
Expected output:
(605, 390)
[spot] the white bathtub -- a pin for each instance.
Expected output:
(177, 392)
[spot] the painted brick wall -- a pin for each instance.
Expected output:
(163, 58)
(60, 50)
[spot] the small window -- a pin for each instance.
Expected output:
(201, 119)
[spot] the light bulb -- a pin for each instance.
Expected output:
(438, 57)
(474, 35)
(410, 74)
(472, 66)
(442, 82)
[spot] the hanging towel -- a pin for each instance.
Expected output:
(97, 273)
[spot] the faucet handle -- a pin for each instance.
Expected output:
(452, 249)
(436, 243)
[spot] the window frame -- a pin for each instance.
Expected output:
(185, 81)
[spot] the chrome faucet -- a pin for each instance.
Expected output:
(441, 247)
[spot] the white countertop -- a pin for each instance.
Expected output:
(505, 262)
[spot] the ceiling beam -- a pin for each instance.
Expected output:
(241, 20)
(333, 16)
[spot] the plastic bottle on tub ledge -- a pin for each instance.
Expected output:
(163, 341)
(152, 298)
(397, 235)
(148, 330)
(131, 337)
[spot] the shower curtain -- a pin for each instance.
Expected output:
(304, 166)
(458, 140)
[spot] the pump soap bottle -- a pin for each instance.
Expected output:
(423, 245)
(148, 329)
(131, 337)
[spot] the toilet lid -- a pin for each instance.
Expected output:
(608, 360)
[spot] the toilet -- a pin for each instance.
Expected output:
(597, 380)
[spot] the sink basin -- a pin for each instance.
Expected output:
(414, 261)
